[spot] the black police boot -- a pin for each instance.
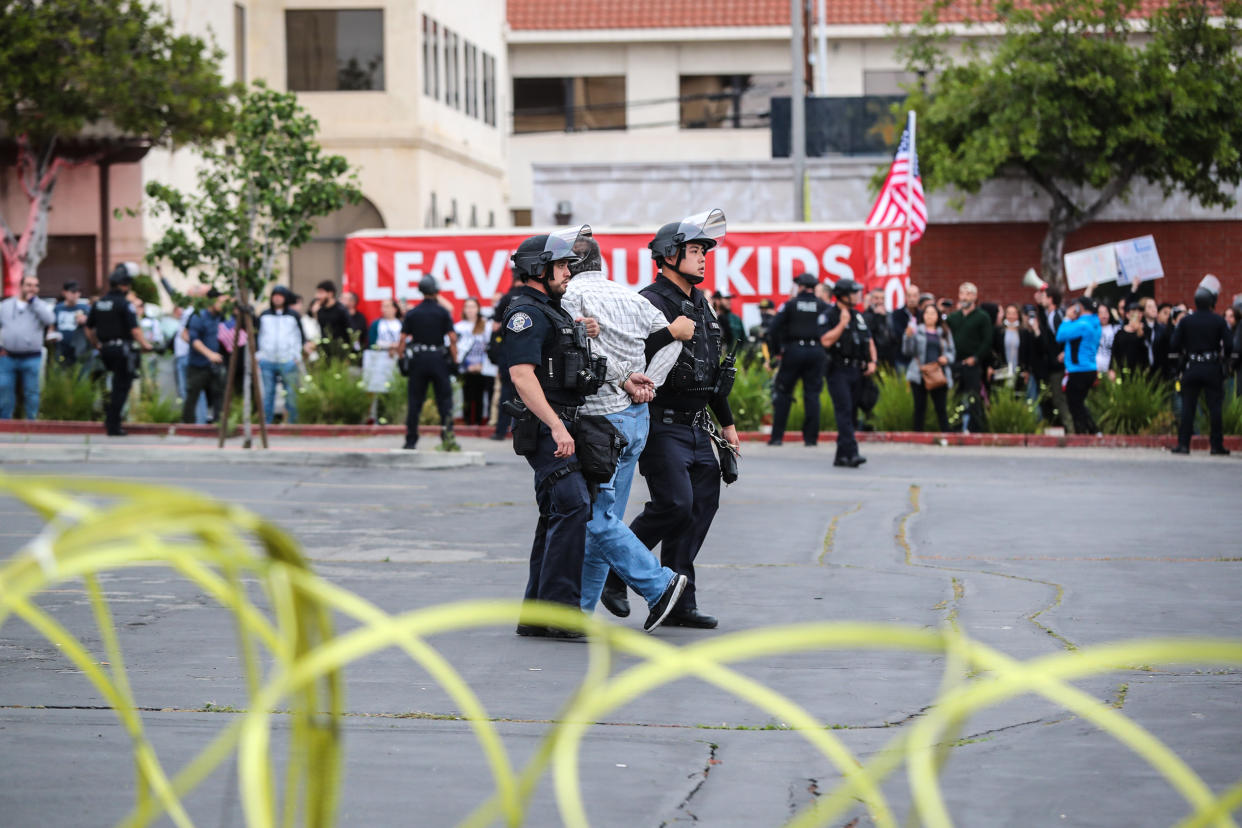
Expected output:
(691, 618)
(850, 462)
(410, 444)
(1221, 452)
(668, 599)
(531, 630)
(615, 601)
(1180, 450)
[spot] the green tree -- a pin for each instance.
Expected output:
(258, 194)
(1082, 98)
(103, 68)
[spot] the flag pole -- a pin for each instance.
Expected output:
(910, 125)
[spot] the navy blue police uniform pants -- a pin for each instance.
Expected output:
(805, 363)
(115, 359)
(844, 387)
(683, 477)
(560, 537)
(428, 368)
(1205, 378)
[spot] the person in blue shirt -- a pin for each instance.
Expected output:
(1080, 333)
(70, 314)
(204, 370)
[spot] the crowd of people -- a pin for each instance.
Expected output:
(1049, 350)
(978, 348)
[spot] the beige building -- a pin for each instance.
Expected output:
(412, 92)
(686, 83)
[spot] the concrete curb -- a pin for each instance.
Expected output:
(26, 453)
(1200, 443)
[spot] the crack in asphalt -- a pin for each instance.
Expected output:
(683, 806)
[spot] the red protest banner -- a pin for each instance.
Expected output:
(748, 264)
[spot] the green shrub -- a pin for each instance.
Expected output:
(1231, 414)
(332, 392)
(751, 397)
(1010, 413)
(69, 392)
(1130, 404)
(153, 407)
(394, 401)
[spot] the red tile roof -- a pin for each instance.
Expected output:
(550, 15)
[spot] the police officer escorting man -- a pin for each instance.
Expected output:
(550, 365)
(795, 336)
(683, 475)
(851, 356)
(112, 327)
(422, 339)
(1202, 338)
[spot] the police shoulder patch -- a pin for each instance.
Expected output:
(519, 322)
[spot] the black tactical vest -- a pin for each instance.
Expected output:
(567, 372)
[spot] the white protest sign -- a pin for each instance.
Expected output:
(1095, 264)
(1138, 261)
(377, 368)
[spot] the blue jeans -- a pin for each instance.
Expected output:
(288, 373)
(28, 368)
(610, 543)
(200, 408)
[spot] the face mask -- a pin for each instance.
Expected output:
(1010, 324)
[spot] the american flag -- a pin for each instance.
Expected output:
(894, 207)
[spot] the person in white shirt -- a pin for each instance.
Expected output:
(477, 372)
(629, 327)
(281, 341)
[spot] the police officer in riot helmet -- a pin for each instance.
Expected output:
(795, 335)
(428, 359)
(1202, 339)
(849, 359)
(112, 327)
(550, 363)
(682, 472)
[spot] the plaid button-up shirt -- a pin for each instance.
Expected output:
(625, 321)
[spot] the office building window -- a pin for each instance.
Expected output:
(333, 50)
(435, 60)
(471, 74)
(239, 42)
(489, 90)
(569, 104)
(447, 34)
(729, 101)
(428, 57)
(456, 64)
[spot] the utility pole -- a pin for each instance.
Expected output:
(797, 110)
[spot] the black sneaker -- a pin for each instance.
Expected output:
(531, 630)
(668, 599)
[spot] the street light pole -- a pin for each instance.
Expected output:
(797, 110)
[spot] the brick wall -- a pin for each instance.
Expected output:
(994, 256)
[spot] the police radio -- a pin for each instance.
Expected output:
(727, 373)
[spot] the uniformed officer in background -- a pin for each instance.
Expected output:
(794, 335)
(1202, 339)
(683, 475)
(850, 358)
(422, 340)
(550, 365)
(112, 327)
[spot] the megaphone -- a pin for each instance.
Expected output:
(1031, 279)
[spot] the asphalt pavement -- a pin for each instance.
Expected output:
(1031, 551)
